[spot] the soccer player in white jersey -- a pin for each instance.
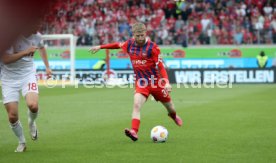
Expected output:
(18, 74)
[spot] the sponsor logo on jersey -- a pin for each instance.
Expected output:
(139, 62)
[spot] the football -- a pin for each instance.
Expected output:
(159, 134)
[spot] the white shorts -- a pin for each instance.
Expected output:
(11, 88)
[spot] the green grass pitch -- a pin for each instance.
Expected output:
(86, 125)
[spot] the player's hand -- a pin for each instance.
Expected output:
(94, 49)
(168, 87)
(48, 73)
(30, 51)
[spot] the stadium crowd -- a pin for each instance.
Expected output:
(190, 22)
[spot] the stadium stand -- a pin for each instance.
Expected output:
(193, 22)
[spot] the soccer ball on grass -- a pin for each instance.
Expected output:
(159, 134)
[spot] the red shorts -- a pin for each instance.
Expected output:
(159, 93)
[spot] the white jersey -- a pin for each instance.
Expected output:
(24, 66)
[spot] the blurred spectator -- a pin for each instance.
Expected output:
(179, 23)
(268, 9)
(238, 36)
(205, 22)
(262, 60)
(273, 26)
(274, 62)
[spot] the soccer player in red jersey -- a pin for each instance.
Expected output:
(151, 76)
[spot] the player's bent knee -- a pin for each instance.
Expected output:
(13, 117)
(33, 106)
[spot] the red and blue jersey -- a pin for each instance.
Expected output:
(148, 68)
(144, 59)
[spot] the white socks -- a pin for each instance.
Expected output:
(18, 131)
(31, 117)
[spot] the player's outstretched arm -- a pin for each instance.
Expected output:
(161, 68)
(10, 58)
(164, 75)
(95, 49)
(43, 54)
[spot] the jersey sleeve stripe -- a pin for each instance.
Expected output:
(145, 48)
(153, 71)
(148, 73)
(150, 49)
(145, 75)
(139, 74)
(128, 44)
(137, 51)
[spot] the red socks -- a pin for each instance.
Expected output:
(135, 124)
(172, 115)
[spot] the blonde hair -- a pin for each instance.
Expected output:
(139, 27)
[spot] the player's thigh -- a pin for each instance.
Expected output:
(10, 91)
(139, 100)
(12, 109)
(160, 94)
(29, 85)
(138, 97)
(143, 91)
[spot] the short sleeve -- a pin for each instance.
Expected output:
(40, 43)
(10, 50)
(124, 45)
